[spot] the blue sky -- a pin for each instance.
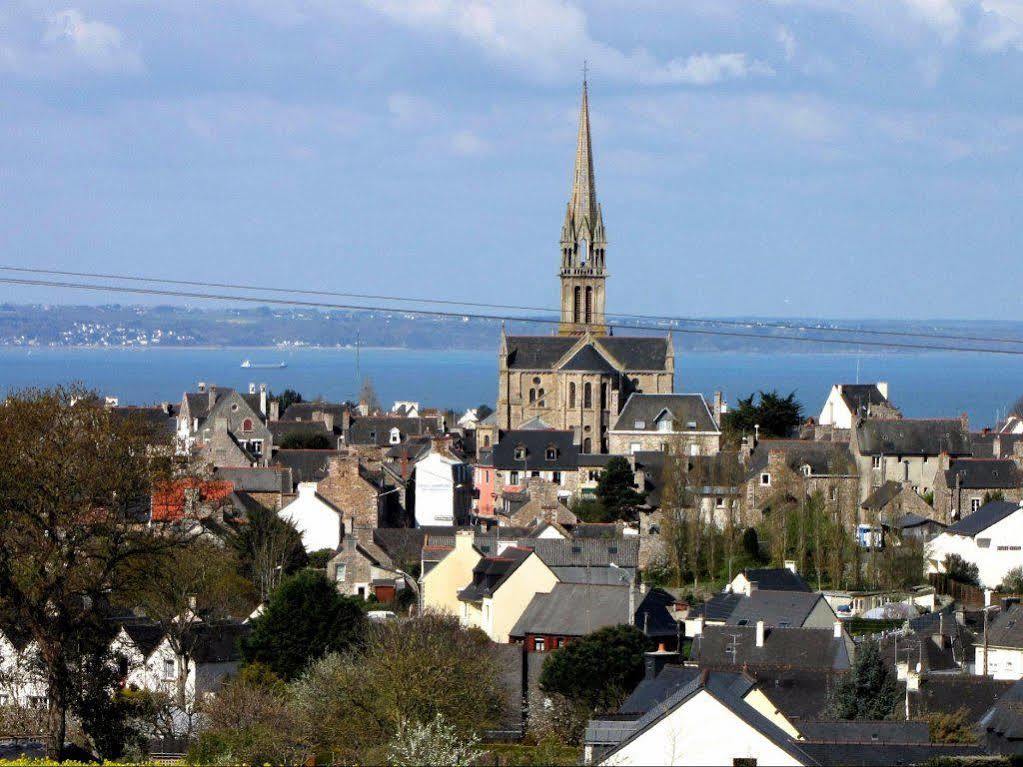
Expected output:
(842, 158)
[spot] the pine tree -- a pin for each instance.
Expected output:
(869, 690)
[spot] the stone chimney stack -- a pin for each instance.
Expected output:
(275, 410)
(719, 407)
(202, 387)
(262, 399)
(212, 396)
(964, 419)
(838, 629)
(760, 633)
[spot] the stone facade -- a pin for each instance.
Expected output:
(347, 488)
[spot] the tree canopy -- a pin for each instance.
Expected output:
(286, 399)
(616, 490)
(598, 670)
(869, 690)
(305, 619)
(777, 416)
(267, 549)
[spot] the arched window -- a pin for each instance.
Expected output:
(532, 396)
(589, 305)
(576, 304)
(586, 445)
(486, 440)
(571, 394)
(247, 424)
(587, 396)
(539, 396)
(603, 395)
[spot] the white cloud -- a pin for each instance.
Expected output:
(468, 144)
(550, 39)
(787, 41)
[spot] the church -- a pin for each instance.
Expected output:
(579, 379)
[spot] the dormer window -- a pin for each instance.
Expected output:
(765, 480)
(640, 424)
(691, 425)
(552, 454)
(665, 424)
(395, 436)
(520, 453)
(807, 471)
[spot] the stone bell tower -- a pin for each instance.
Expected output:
(583, 243)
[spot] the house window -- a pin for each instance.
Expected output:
(256, 447)
(694, 449)
(534, 474)
(765, 480)
(587, 395)
(640, 424)
(168, 669)
(593, 475)
(247, 424)
(744, 761)
(974, 504)
(635, 447)
(395, 437)
(372, 436)
(833, 492)
(513, 478)
(665, 424)
(571, 394)
(587, 444)
(983, 543)
(486, 440)
(540, 396)
(875, 461)
(341, 572)
(539, 644)
(552, 454)
(556, 477)
(719, 502)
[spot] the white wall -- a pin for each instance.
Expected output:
(835, 412)
(314, 518)
(702, 731)
(1003, 554)
(1003, 662)
(443, 484)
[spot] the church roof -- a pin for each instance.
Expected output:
(544, 352)
(590, 360)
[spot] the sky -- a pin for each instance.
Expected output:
(830, 158)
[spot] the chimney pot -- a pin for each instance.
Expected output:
(760, 633)
(838, 629)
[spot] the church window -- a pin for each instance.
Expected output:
(536, 380)
(603, 395)
(532, 396)
(540, 396)
(576, 304)
(589, 305)
(587, 444)
(587, 395)
(571, 394)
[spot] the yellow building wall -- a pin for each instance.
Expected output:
(532, 577)
(449, 576)
(764, 706)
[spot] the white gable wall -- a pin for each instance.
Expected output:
(317, 521)
(835, 412)
(1003, 552)
(702, 731)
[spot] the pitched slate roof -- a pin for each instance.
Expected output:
(882, 496)
(689, 412)
(589, 552)
(1006, 630)
(984, 444)
(146, 635)
(859, 397)
(491, 572)
(717, 608)
(305, 465)
(1003, 722)
(869, 754)
(983, 473)
(798, 693)
(163, 424)
(776, 579)
(589, 360)
(912, 437)
(806, 648)
(821, 457)
(256, 479)
(218, 643)
(774, 608)
(536, 444)
(304, 410)
(865, 731)
(652, 692)
(989, 514)
(376, 430)
(949, 692)
(544, 352)
(576, 609)
(302, 429)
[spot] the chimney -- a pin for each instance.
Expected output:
(262, 399)
(790, 564)
(760, 633)
(202, 387)
(913, 679)
(964, 419)
(882, 386)
(212, 400)
(719, 406)
(654, 662)
(275, 410)
(753, 586)
(252, 388)
(838, 629)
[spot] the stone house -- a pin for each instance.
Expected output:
(905, 450)
(360, 493)
(547, 454)
(361, 568)
(228, 427)
(268, 486)
(848, 402)
(544, 506)
(652, 422)
(898, 507)
(963, 485)
(783, 470)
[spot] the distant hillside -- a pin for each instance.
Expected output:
(119, 325)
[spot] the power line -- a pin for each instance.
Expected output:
(771, 324)
(492, 317)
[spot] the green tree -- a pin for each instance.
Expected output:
(76, 483)
(777, 416)
(304, 620)
(1012, 583)
(268, 548)
(599, 670)
(951, 727)
(410, 671)
(286, 399)
(306, 442)
(869, 690)
(993, 495)
(616, 490)
(958, 569)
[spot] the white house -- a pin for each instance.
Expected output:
(847, 401)
(20, 681)
(316, 518)
(1004, 645)
(991, 538)
(443, 488)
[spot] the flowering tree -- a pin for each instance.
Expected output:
(431, 743)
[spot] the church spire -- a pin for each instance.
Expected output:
(583, 244)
